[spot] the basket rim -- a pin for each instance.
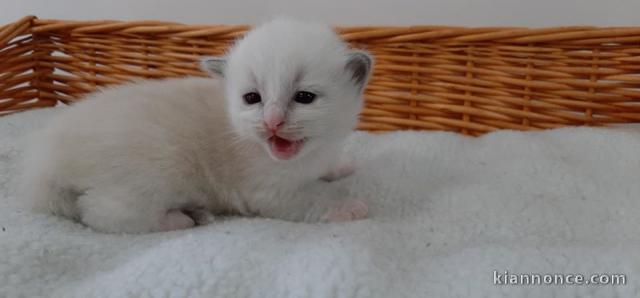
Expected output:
(579, 35)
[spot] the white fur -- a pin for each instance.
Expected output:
(131, 158)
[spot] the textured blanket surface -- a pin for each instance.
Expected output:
(446, 212)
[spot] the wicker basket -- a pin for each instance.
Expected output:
(468, 80)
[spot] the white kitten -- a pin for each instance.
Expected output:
(157, 155)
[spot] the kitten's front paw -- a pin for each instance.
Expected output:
(175, 220)
(343, 170)
(348, 211)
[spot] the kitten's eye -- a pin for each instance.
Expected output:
(252, 98)
(304, 97)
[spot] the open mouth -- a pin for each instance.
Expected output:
(284, 149)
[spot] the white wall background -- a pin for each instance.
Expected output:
(532, 13)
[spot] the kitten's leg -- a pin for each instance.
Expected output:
(117, 210)
(325, 209)
(315, 202)
(347, 211)
(343, 169)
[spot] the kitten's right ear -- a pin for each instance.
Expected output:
(214, 65)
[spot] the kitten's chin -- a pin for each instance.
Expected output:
(284, 149)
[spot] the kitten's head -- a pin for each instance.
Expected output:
(293, 87)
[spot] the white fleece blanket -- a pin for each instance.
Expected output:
(446, 211)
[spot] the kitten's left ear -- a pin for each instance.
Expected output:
(359, 65)
(214, 65)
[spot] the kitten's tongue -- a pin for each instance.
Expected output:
(283, 148)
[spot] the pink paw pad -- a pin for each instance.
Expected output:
(176, 220)
(350, 210)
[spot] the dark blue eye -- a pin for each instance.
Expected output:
(252, 98)
(304, 97)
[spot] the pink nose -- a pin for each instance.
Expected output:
(274, 124)
(273, 117)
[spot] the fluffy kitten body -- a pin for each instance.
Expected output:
(161, 155)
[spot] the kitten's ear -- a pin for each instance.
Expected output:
(214, 65)
(359, 65)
